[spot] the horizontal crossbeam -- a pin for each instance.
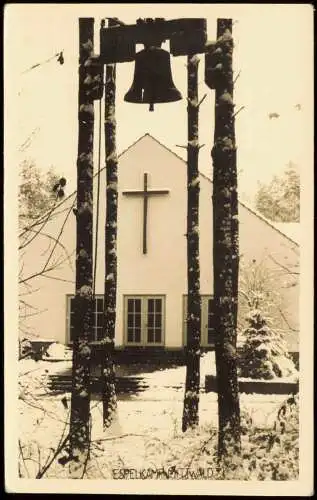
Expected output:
(117, 43)
(139, 32)
(146, 193)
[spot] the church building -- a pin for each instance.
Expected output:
(152, 259)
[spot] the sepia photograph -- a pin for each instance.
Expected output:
(158, 248)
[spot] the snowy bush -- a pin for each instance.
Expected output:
(57, 351)
(147, 437)
(266, 454)
(264, 353)
(261, 287)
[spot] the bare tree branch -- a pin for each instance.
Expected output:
(58, 279)
(39, 230)
(41, 63)
(55, 240)
(237, 112)
(202, 100)
(41, 218)
(286, 321)
(34, 314)
(236, 78)
(29, 292)
(26, 304)
(296, 273)
(23, 459)
(57, 452)
(42, 272)
(112, 438)
(58, 239)
(60, 446)
(28, 140)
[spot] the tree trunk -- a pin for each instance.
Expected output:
(109, 390)
(235, 237)
(80, 399)
(191, 397)
(225, 249)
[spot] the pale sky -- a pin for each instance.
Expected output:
(273, 51)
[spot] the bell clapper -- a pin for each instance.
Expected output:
(151, 107)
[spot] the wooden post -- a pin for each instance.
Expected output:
(83, 321)
(191, 398)
(225, 248)
(109, 391)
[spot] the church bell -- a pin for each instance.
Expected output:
(152, 81)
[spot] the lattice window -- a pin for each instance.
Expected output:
(207, 321)
(97, 318)
(144, 320)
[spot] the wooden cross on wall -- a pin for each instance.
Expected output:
(145, 194)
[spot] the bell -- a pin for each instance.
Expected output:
(152, 81)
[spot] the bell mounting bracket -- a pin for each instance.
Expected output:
(186, 36)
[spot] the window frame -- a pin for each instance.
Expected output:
(144, 318)
(69, 298)
(204, 320)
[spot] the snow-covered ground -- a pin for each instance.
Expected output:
(150, 417)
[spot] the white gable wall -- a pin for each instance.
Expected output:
(280, 255)
(162, 271)
(48, 296)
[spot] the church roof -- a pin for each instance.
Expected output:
(283, 229)
(291, 229)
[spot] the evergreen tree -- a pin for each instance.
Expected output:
(264, 354)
